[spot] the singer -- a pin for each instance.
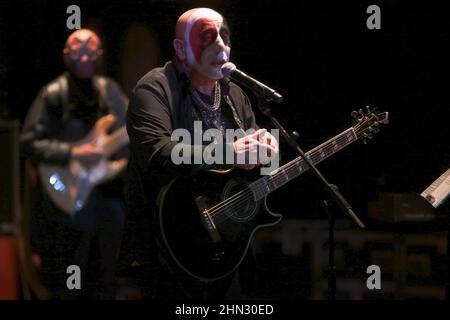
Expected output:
(189, 88)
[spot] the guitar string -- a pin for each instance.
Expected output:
(233, 208)
(293, 165)
(241, 197)
(230, 210)
(287, 165)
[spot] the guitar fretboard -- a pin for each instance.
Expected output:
(279, 177)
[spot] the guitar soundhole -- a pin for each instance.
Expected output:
(241, 206)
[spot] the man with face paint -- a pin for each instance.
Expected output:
(190, 87)
(64, 112)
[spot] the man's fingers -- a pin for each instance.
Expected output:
(269, 139)
(246, 144)
(268, 146)
(258, 148)
(266, 152)
(259, 133)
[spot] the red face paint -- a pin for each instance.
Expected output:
(82, 53)
(203, 34)
(79, 48)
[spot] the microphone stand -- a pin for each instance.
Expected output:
(331, 189)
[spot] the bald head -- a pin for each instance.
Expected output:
(202, 41)
(83, 37)
(82, 53)
(189, 18)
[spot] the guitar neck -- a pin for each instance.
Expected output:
(117, 140)
(279, 177)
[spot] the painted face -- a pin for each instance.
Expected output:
(207, 42)
(82, 53)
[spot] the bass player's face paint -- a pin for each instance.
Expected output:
(207, 42)
(82, 53)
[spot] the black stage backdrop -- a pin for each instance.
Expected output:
(319, 55)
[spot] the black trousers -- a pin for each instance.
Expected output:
(162, 279)
(91, 241)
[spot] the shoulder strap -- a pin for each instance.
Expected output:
(228, 99)
(114, 99)
(57, 93)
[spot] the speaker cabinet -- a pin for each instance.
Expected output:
(9, 178)
(9, 210)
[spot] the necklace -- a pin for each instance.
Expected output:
(210, 114)
(216, 104)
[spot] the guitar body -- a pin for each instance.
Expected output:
(189, 242)
(69, 186)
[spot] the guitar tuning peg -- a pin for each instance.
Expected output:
(366, 137)
(361, 112)
(368, 111)
(354, 114)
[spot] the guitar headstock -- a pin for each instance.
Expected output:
(366, 122)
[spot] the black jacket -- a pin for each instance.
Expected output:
(63, 112)
(161, 102)
(59, 116)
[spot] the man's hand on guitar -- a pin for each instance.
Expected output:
(260, 146)
(266, 139)
(88, 153)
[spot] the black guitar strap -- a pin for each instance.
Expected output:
(111, 97)
(57, 94)
(115, 101)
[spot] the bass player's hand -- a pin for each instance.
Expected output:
(88, 153)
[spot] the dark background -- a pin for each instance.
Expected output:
(319, 55)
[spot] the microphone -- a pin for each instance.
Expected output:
(229, 70)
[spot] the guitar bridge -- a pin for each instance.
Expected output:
(207, 220)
